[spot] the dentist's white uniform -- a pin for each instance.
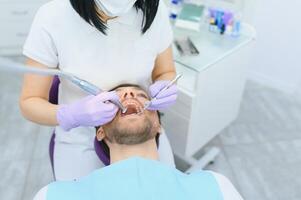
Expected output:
(59, 37)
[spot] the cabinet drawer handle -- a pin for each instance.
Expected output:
(19, 13)
(161, 114)
(21, 34)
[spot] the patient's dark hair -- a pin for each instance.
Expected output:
(87, 9)
(103, 144)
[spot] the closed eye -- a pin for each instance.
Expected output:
(142, 95)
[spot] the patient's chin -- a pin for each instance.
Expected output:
(130, 133)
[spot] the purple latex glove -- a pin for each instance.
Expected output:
(163, 99)
(89, 111)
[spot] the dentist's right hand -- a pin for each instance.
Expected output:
(89, 111)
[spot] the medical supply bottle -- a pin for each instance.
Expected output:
(175, 9)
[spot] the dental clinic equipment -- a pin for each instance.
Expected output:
(190, 17)
(222, 17)
(148, 103)
(186, 47)
(224, 22)
(10, 66)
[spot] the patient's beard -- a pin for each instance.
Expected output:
(127, 135)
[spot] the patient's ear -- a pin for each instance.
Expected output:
(157, 127)
(100, 134)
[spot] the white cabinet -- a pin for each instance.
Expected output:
(210, 90)
(15, 20)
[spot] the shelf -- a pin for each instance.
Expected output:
(212, 47)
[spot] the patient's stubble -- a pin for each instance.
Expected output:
(131, 133)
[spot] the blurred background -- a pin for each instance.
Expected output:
(258, 139)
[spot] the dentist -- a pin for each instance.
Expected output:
(106, 42)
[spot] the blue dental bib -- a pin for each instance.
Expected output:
(138, 178)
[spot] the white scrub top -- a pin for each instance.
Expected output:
(139, 178)
(59, 37)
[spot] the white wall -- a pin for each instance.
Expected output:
(276, 59)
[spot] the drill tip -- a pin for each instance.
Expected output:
(124, 110)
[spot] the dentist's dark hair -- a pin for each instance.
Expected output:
(87, 9)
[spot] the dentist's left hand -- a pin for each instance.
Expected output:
(89, 111)
(164, 99)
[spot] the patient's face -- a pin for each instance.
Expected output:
(135, 126)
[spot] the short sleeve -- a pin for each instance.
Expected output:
(39, 44)
(165, 30)
(41, 195)
(228, 190)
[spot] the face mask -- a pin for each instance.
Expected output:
(115, 7)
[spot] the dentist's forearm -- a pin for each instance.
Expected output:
(164, 66)
(166, 76)
(39, 110)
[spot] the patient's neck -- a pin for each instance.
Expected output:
(146, 150)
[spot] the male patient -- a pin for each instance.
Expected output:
(135, 172)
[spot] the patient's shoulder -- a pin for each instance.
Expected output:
(41, 195)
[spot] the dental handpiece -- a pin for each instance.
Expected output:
(10, 66)
(147, 104)
(94, 90)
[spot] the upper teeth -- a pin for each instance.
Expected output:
(130, 103)
(134, 104)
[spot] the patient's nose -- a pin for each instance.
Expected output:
(128, 94)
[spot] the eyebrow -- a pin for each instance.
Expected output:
(135, 88)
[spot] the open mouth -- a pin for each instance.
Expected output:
(132, 109)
